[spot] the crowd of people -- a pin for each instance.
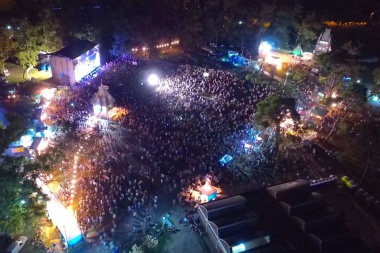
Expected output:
(174, 134)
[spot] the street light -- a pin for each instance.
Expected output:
(286, 78)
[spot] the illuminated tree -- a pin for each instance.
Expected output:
(354, 97)
(272, 111)
(333, 69)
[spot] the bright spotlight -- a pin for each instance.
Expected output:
(265, 47)
(153, 79)
(205, 74)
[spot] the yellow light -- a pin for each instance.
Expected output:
(334, 95)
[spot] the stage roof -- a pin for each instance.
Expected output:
(75, 49)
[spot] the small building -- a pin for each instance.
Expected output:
(70, 64)
(323, 43)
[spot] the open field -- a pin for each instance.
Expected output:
(16, 74)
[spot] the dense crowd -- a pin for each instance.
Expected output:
(180, 129)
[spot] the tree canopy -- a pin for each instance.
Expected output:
(7, 47)
(12, 132)
(273, 110)
(21, 202)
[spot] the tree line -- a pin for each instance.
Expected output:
(47, 25)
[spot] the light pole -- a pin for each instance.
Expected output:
(286, 78)
(242, 39)
(370, 17)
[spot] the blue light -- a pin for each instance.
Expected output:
(238, 248)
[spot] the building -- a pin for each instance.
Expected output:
(70, 64)
(289, 217)
(323, 43)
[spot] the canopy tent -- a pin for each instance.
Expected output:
(102, 101)
(225, 159)
(298, 51)
(208, 192)
(63, 218)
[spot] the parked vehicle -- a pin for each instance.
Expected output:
(17, 245)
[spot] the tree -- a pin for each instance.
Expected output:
(7, 48)
(376, 75)
(272, 111)
(354, 97)
(368, 142)
(13, 131)
(352, 48)
(150, 242)
(120, 43)
(333, 69)
(21, 202)
(266, 16)
(29, 41)
(137, 249)
(299, 74)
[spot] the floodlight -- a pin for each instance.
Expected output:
(265, 47)
(153, 79)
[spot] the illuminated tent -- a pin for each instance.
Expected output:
(102, 101)
(225, 159)
(62, 217)
(208, 192)
(297, 51)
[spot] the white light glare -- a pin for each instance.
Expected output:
(153, 79)
(265, 47)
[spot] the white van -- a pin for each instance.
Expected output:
(17, 245)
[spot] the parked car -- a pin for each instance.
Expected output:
(17, 245)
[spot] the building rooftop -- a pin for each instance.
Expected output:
(326, 36)
(75, 49)
(326, 229)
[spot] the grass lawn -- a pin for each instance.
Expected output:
(16, 73)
